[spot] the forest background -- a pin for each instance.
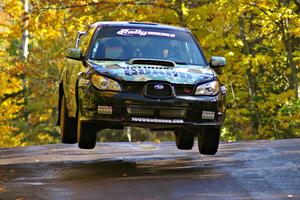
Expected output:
(260, 40)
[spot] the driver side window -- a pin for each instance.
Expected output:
(85, 40)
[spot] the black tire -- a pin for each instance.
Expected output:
(68, 126)
(86, 133)
(184, 140)
(208, 142)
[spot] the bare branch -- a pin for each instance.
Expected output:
(266, 13)
(297, 2)
(91, 4)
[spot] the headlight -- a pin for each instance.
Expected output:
(103, 83)
(211, 88)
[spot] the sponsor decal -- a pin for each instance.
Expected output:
(130, 71)
(155, 120)
(131, 32)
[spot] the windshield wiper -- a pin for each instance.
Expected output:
(142, 61)
(108, 59)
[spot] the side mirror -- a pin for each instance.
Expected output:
(217, 61)
(74, 53)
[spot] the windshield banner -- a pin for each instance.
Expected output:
(140, 32)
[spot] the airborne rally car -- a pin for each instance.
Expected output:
(145, 75)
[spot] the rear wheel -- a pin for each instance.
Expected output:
(208, 142)
(184, 140)
(68, 126)
(86, 133)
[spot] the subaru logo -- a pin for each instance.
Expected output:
(159, 87)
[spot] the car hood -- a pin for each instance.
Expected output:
(179, 74)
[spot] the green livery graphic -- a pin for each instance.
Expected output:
(179, 74)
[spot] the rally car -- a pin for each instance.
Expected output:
(144, 75)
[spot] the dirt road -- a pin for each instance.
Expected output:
(243, 170)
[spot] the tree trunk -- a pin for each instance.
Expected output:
(287, 41)
(25, 34)
(25, 52)
(252, 84)
(290, 59)
(179, 12)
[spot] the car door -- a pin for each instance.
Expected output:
(73, 69)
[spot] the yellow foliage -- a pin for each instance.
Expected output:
(216, 24)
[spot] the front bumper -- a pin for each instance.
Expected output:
(119, 109)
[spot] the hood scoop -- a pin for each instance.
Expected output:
(142, 61)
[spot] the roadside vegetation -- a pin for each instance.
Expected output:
(260, 40)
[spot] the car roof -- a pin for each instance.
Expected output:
(139, 25)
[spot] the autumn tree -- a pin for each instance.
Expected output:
(11, 99)
(259, 74)
(260, 40)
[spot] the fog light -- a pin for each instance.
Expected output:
(105, 110)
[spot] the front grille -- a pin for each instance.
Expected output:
(156, 112)
(134, 87)
(137, 88)
(159, 90)
(183, 89)
(140, 111)
(173, 113)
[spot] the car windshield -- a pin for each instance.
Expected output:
(125, 43)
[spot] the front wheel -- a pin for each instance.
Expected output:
(86, 134)
(184, 140)
(208, 142)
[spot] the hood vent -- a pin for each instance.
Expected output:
(152, 62)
